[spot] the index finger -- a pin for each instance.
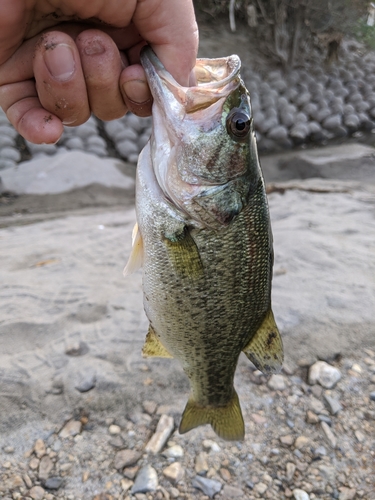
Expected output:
(171, 29)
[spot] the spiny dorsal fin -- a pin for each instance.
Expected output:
(265, 349)
(226, 421)
(153, 347)
(136, 256)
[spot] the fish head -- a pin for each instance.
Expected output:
(203, 138)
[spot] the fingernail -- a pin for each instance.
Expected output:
(60, 62)
(137, 91)
(94, 48)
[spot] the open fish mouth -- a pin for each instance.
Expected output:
(216, 78)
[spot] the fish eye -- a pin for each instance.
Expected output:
(238, 124)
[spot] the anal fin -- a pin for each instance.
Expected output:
(136, 256)
(265, 349)
(226, 421)
(153, 347)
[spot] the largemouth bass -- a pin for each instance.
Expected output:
(204, 239)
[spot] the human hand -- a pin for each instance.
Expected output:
(62, 60)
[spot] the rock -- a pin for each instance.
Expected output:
(135, 122)
(372, 396)
(163, 430)
(74, 143)
(8, 130)
(85, 379)
(331, 438)
(149, 407)
(347, 493)
(133, 158)
(146, 480)
(71, 428)
(201, 465)
(9, 153)
(6, 141)
(290, 470)
(127, 148)
(287, 440)
(96, 140)
(45, 467)
(276, 383)
(232, 492)
(116, 441)
(260, 488)
(302, 98)
(225, 474)
(210, 487)
(76, 348)
(34, 463)
(39, 448)
(301, 442)
(114, 429)
(278, 133)
(126, 484)
(54, 483)
(325, 374)
(299, 132)
(64, 173)
(14, 482)
(311, 417)
(174, 451)
(130, 472)
(124, 458)
(208, 444)
(300, 494)
(4, 164)
(36, 493)
(174, 472)
(359, 436)
(333, 404)
(98, 151)
(287, 118)
(351, 121)
(332, 122)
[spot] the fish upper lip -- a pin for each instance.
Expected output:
(222, 75)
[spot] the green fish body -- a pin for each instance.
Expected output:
(204, 239)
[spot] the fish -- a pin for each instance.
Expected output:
(204, 240)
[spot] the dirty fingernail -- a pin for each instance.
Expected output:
(137, 91)
(60, 62)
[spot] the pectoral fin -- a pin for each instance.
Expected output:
(184, 255)
(226, 421)
(265, 349)
(153, 347)
(136, 256)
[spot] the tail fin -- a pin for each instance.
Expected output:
(226, 421)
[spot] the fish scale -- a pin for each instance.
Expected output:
(206, 248)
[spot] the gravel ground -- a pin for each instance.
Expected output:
(309, 434)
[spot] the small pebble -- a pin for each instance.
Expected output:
(163, 430)
(276, 383)
(146, 480)
(210, 487)
(300, 494)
